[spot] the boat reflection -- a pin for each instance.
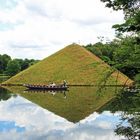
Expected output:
(5, 94)
(52, 92)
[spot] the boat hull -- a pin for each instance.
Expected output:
(45, 87)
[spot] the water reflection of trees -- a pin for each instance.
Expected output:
(52, 92)
(129, 104)
(132, 130)
(5, 94)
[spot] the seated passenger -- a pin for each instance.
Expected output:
(52, 84)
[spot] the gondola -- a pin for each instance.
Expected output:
(45, 87)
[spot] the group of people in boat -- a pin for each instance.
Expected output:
(53, 84)
(50, 85)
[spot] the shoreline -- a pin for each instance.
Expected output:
(71, 85)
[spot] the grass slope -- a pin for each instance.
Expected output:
(74, 64)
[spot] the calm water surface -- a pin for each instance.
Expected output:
(29, 115)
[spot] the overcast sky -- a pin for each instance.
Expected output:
(38, 28)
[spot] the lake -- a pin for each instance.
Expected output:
(82, 113)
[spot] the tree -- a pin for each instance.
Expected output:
(131, 9)
(104, 50)
(24, 64)
(128, 6)
(127, 56)
(13, 67)
(95, 49)
(4, 59)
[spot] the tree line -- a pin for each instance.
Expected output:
(9, 66)
(122, 53)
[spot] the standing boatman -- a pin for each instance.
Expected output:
(64, 83)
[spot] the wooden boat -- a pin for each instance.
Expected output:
(45, 87)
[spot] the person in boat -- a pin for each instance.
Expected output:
(52, 84)
(64, 83)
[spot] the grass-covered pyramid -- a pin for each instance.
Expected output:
(74, 64)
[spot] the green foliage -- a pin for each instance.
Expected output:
(130, 104)
(122, 53)
(95, 50)
(106, 59)
(24, 64)
(4, 94)
(132, 132)
(132, 24)
(128, 6)
(137, 78)
(104, 51)
(127, 56)
(127, 102)
(131, 10)
(13, 67)
(4, 59)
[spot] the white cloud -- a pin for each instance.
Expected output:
(52, 24)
